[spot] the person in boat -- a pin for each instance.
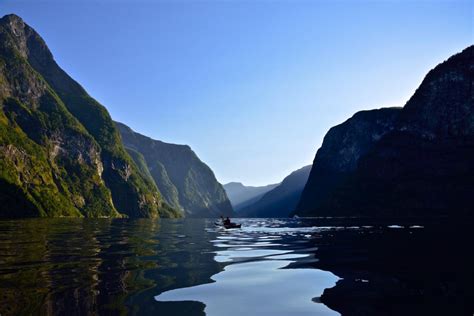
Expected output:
(222, 219)
(227, 221)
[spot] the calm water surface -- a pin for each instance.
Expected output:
(192, 267)
(187, 267)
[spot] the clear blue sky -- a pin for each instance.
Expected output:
(251, 86)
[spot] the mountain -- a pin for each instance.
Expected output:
(241, 196)
(423, 166)
(342, 147)
(282, 200)
(61, 154)
(185, 182)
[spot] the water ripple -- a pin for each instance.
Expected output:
(257, 278)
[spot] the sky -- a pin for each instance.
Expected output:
(251, 86)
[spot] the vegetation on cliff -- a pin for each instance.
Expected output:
(185, 181)
(61, 153)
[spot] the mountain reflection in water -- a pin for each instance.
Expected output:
(269, 267)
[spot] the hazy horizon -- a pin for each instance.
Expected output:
(252, 87)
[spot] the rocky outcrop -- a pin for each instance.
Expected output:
(61, 153)
(282, 200)
(423, 165)
(185, 182)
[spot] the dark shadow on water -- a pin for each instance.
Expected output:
(400, 269)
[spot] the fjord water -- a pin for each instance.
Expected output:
(74, 266)
(258, 278)
(192, 267)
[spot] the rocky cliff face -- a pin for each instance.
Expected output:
(282, 200)
(184, 180)
(60, 152)
(340, 152)
(422, 166)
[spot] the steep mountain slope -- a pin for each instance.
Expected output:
(282, 200)
(61, 154)
(241, 196)
(340, 152)
(184, 180)
(424, 165)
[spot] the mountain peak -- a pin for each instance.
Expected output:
(11, 18)
(15, 25)
(24, 38)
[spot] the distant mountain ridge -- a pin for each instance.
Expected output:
(282, 200)
(185, 182)
(241, 195)
(60, 153)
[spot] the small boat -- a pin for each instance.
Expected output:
(232, 225)
(228, 226)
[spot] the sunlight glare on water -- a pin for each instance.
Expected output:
(258, 278)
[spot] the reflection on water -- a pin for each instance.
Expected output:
(257, 279)
(77, 267)
(269, 267)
